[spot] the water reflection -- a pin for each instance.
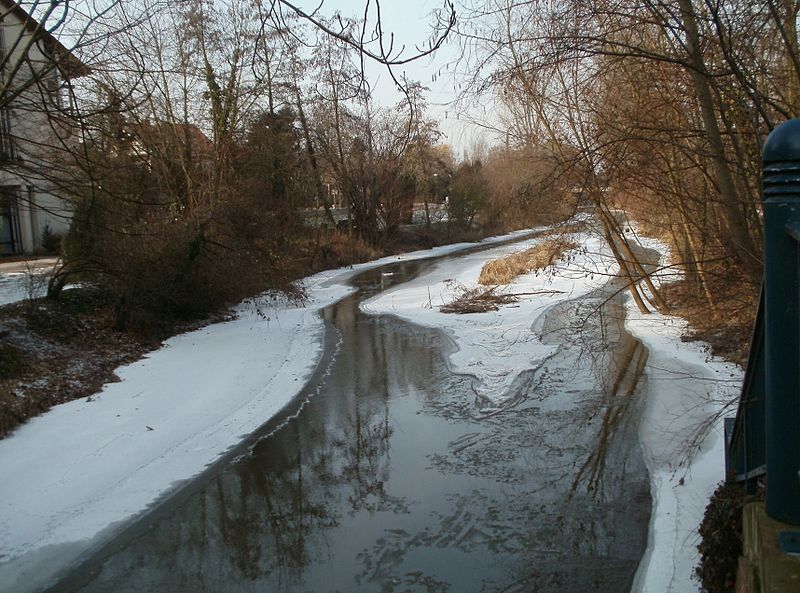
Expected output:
(391, 479)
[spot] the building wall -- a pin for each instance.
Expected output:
(27, 170)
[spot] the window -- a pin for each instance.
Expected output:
(6, 139)
(6, 143)
(52, 84)
(10, 238)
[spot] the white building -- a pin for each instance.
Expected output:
(34, 71)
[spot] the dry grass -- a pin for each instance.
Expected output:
(504, 271)
(334, 249)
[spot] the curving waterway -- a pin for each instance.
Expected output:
(387, 475)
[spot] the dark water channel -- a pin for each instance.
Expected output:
(389, 476)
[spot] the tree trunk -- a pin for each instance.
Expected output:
(740, 242)
(312, 157)
(616, 233)
(623, 267)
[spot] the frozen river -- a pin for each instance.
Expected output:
(389, 474)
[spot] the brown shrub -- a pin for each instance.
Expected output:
(727, 325)
(334, 249)
(721, 539)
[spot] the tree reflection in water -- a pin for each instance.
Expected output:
(393, 479)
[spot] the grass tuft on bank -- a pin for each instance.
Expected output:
(543, 255)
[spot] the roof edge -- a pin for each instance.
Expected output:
(68, 63)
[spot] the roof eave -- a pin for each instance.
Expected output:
(69, 65)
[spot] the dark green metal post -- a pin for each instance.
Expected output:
(781, 185)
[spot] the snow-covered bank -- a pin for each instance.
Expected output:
(687, 391)
(90, 464)
(22, 280)
(72, 472)
(13, 288)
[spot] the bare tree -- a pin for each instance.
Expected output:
(190, 159)
(658, 106)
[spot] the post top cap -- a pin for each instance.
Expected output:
(783, 143)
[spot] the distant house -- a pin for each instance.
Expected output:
(34, 71)
(184, 142)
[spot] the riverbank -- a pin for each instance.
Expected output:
(57, 350)
(689, 392)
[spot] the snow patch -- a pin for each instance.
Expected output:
(683, 442)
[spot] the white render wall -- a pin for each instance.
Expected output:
(30, 172)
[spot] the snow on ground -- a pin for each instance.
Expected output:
(495, 347)
(12, 288)
(24, 280)
(74, 471)
(687, 393)
(86, 465)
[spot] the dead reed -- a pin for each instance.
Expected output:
(505, 270)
